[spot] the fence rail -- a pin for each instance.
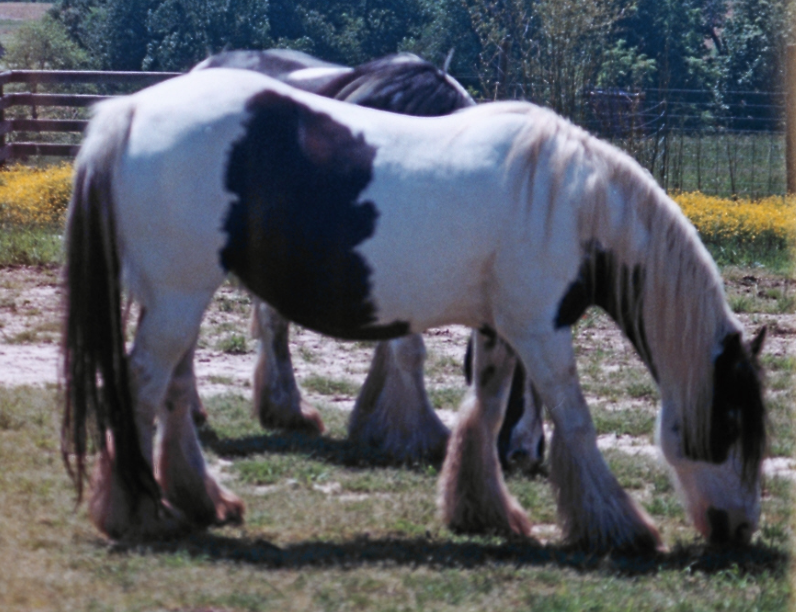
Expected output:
(11, 149)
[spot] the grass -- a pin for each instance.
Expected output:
(233, 344)
(325, 385)
(727, 165)
(323, 535)
(448, 398)
(30, 246)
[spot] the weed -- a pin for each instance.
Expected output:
(325, 385)
(233, 344)
(449, 398)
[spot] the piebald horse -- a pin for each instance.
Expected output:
(363, 224)
(392, 412)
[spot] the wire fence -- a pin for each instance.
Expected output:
(693, 141)
(690, 140)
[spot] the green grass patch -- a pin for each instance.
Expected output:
(449, 398)
(30, 246)
(325, 385)
(623, 422)
(233, 344)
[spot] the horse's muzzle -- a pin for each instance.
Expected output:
(722, 532)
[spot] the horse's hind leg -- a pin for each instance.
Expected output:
(473, 496)
(165, 333)
(179, 465)
(392, 412)
(277, 399)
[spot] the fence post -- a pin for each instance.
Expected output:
(3, 157)
(790, 117)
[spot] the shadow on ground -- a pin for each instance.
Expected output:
(429, 551)
(323, 448)
(461, 555)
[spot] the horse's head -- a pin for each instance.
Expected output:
(720, 479)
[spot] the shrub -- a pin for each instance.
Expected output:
(35, 197)
(742, 229)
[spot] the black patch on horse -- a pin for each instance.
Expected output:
(597, 282)
(737, 411)
(295, 224)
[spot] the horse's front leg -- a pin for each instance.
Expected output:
(179, 465)
(277, 399)
(473, 497)
(392, 412)
(595, 512)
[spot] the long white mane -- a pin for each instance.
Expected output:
(681, 312)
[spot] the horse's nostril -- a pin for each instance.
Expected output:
(519, 456)
(719, 522)
(540, 450)
(743, 533)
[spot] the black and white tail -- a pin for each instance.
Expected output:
(98, 392)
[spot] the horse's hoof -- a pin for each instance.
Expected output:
(229, 509)
(305, 420)
(150, 522)
(311, 420)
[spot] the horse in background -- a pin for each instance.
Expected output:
(369, 225)
(392, 412)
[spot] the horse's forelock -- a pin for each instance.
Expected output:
(737, 411)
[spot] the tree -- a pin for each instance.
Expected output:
(754, 43)
(547, 51)
(180, 33)
(674, 34)
(44, 45)
(345, 31)
(753, 61)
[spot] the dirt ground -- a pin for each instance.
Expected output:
(30, 322)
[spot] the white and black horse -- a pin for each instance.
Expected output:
(392, 412)
(363, 224)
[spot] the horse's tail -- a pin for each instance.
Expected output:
(97, 386)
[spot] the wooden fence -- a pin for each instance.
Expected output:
(11, 149)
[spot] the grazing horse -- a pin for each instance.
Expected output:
(392, 412)
(369, 225)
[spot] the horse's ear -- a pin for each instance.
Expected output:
(731, 345)
(756, 345)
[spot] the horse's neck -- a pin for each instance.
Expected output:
(659, 283)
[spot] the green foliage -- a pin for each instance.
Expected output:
(44, 45)
(345, 31)
(754, 43)
(181, 33)
(547, 51)
(673, 33)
